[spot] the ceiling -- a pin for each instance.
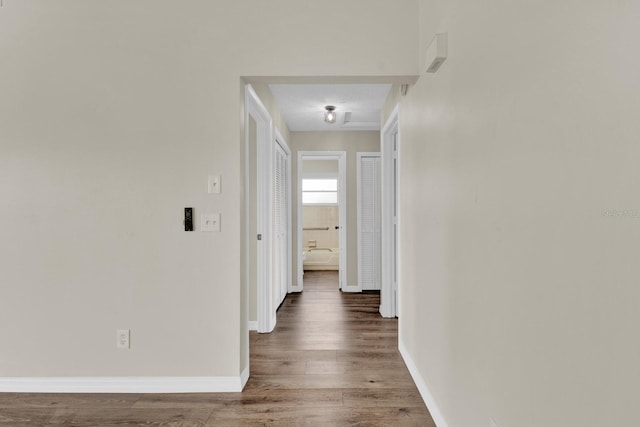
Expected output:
(358, 106)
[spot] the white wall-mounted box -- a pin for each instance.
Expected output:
(436, 52)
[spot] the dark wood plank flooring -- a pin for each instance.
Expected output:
(331, 361)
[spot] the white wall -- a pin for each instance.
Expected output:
(519, 214)
(352, 142)
(112, 114)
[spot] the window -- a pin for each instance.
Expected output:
(320, 191)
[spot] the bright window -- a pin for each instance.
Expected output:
(322, 191)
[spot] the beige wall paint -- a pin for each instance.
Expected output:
(264, 93)
(352, 143)
(321, 217)
(519, 214)
(392, 101)
(112, 114)
(312, 166)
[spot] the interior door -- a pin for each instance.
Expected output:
(281, 224)
(369, 221)
(395, 221)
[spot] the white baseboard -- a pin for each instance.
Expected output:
(123, 384)
(428, 398)
(352, 288)
(253, 325)
(244, 377)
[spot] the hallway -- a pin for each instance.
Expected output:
(332, 360)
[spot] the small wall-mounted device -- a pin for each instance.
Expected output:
(436, 52)
(188, 219)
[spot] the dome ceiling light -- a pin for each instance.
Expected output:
(330, 114)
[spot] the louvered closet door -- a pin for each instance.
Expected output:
(281, 220)
(369, 224)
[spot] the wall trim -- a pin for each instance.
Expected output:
(352, 288)
(123, 384)
(426, 394)
(244, 377)
(253, 325)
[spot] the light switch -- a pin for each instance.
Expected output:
(214, 184)
(210, 222)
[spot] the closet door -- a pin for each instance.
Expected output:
(369, 224)
(281, 221)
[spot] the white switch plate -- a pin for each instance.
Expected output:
(210, 222)
(123, 338)
(214, 184)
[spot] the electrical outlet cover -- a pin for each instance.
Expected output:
(214, 184)
(210, 222)
(123, 338)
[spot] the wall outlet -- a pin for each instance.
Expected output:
(123, 338)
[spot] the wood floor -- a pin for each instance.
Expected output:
(331, 361)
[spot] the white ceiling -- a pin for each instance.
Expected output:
(302, 105)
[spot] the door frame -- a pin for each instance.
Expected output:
(341, 156)
(390, 289)
(266, 315)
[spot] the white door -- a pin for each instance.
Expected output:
(369, 221)
(390, 274)
(395, 221)
(281, 224)
(259, 148)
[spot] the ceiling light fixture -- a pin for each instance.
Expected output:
(330, 114)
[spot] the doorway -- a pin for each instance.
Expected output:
(322, 214)
(267, 228)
